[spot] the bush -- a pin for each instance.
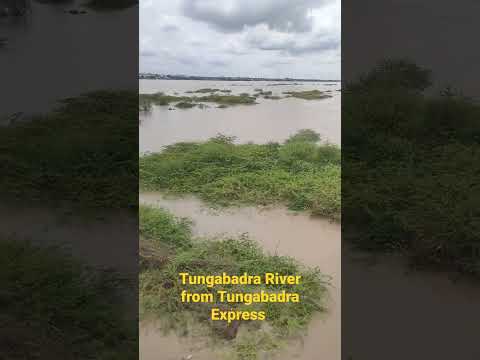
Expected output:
(411, 169)
(52, 306)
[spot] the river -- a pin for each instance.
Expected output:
(313, 241)
(269, 120)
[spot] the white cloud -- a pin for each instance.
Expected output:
(298, 38)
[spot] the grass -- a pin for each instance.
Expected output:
(161, 99)
(410, 174)
(265, 93)
(185, 105)
(53, 307)
(304, 135)
(83, 153)
(227, 99)
(160, 225)
(206, 90)
(220, 97)
(160, 287)
(301, 173)
(308, 95)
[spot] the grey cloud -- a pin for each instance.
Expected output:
(274, 63)
(263, 39)
(148, 53)
(218, 63)
(241, 37)
(234, 15)
(317, 45)
(169, 28)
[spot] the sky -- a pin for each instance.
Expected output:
(258, 38)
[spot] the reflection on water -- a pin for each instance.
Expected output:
(313, 241)
(442, 322)
(51, 54)
(270, 120)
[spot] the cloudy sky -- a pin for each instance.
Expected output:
(270, 38)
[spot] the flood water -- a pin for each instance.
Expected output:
(270, 120)
(446, 310)
(313, 241)
(66, 52)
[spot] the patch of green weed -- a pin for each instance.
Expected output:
(300, 173)
(83, 153)
(54, 307)
(160, 286)
(308, 94)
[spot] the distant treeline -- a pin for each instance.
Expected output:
(222, 78)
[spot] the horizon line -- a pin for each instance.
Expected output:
(167, 76)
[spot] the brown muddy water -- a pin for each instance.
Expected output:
(313, 241)
(270, 120)
(391, 311)
(61, 47)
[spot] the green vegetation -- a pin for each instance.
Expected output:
(160, 286)
(53, 307)
(228, 99)
(206, 90)
(300, 173)
(184, 105)
(308, 95)
(410, 174)
(304, 135)
(161, 99)
(83, 153)
(260, 92)
(144, 105)
(160, 225)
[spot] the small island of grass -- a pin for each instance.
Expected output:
(308, 95)
(160, 99)
(205, 91)
(168, 248)
(185, 105)
(300, 173)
